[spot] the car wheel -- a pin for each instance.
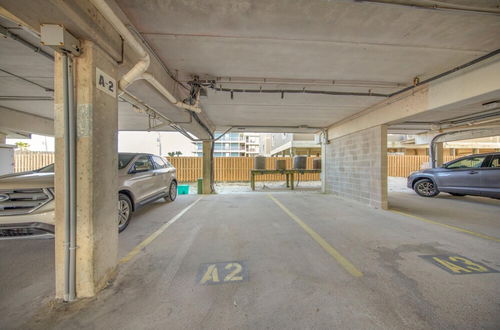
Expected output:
(124, 212)
(425, 188)
(454, 194)
(172, 192)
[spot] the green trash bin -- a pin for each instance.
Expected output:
(200, 186)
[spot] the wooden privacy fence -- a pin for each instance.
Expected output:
(25, 160)
(403, 165)
(232, 169)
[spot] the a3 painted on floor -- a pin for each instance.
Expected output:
(458, 265)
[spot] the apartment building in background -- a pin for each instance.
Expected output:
(289, 144)
(234, 145)
(410, 145)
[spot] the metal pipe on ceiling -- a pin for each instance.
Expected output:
(25, 98)
(446, 73)
(303, 82)
(432, 4)
(278, 127)
(47, 89)
(462, 121)
(295, 91)
(26, 43)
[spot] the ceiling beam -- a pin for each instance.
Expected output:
(22, 122)
(472, 85)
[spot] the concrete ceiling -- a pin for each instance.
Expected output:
(485, 112)
(340, 46)
(307, 40)
(19, 60)
(21, 95)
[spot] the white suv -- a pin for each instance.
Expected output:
(27, 199)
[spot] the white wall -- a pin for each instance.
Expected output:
(148, 142)
(36, 143)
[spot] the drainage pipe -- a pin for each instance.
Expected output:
(139, 69)
(159, 87)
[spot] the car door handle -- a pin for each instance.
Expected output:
(473, 172)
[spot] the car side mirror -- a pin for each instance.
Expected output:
(138, 168)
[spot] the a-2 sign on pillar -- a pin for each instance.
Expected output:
(105, 83)
(222, 272)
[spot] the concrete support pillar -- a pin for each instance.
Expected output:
(207, 167)
(439, 153)
(96, 172)
(3, 138)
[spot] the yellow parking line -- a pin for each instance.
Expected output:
(135, 251)
(470, 232)
(324, 244)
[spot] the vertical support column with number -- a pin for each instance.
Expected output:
(96, 171)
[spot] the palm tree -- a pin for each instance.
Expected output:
(22, 145)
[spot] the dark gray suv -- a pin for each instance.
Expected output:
(477, 175)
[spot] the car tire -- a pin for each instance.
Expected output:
(425, 188)
(124, 211)
(172, 192)
(455, 194)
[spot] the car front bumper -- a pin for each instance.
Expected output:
(35, 225)
(26, 230)
(409, 182)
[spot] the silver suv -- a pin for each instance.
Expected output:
(27, 199)
(477, 175)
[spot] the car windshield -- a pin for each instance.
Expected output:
(124, 159)
(47, 169)
(470, 162)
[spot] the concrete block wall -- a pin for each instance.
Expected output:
(356, 166)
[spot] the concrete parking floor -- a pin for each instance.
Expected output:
(478, 214)
(27, 266)
(302, 254)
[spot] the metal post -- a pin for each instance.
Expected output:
(72, 177)
(66, 177)
(69, 180)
